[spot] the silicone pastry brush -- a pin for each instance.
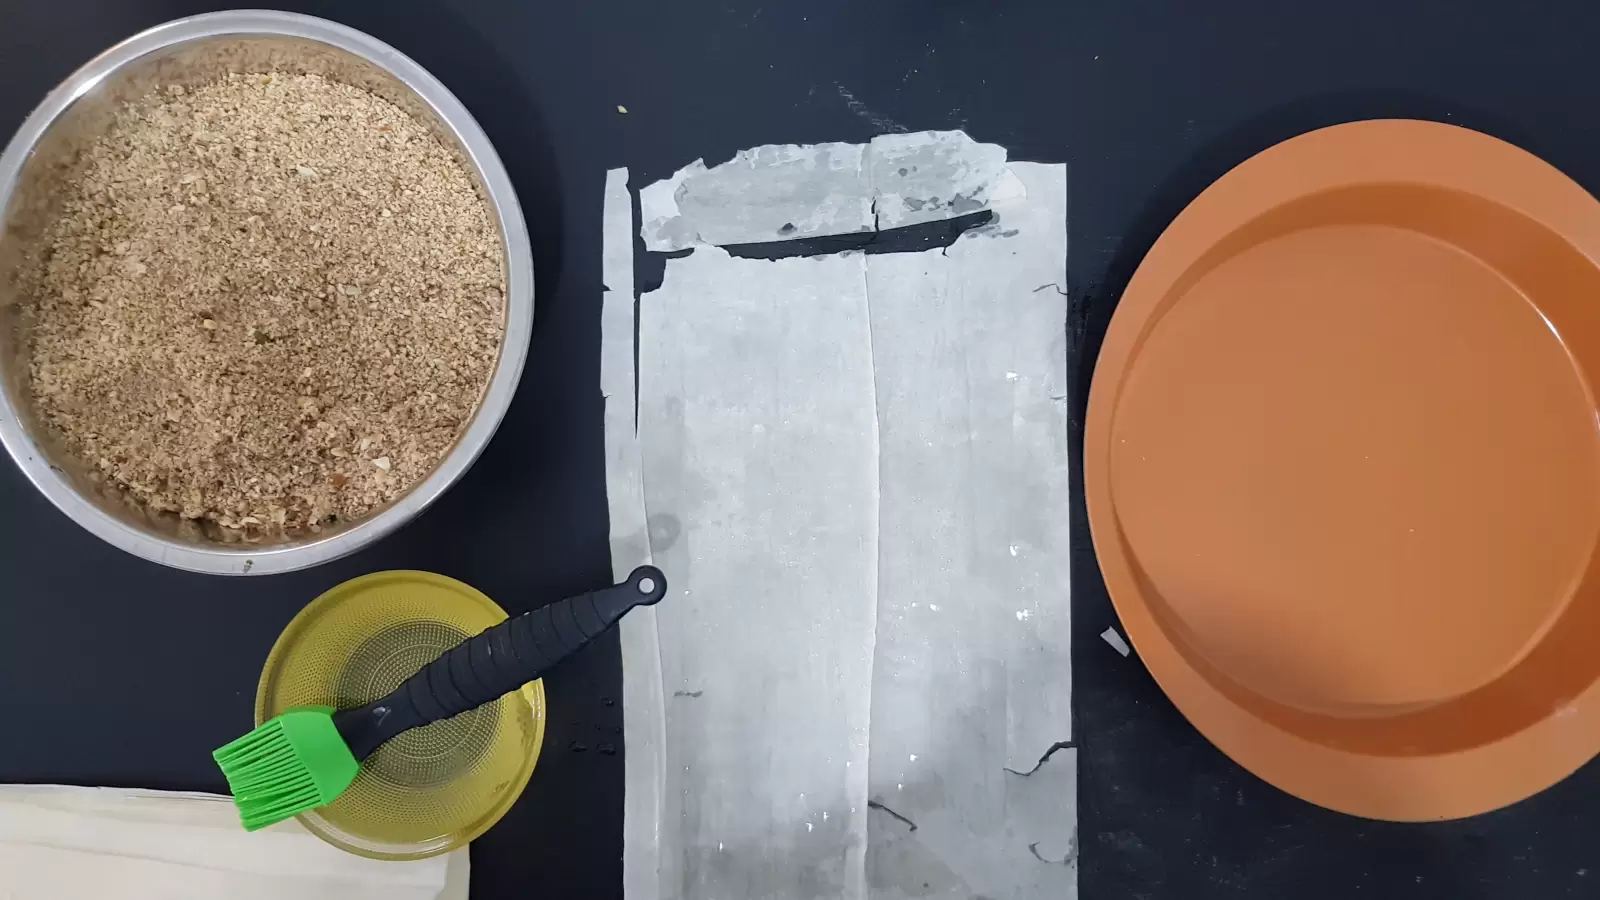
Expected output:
(307, 757)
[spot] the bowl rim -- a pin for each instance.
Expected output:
(474, 143)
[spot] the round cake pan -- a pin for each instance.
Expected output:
(1343, 471)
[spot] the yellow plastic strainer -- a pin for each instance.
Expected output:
(431, 789)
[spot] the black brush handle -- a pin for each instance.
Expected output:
(486, 667)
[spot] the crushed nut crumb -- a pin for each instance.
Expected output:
(336, 258)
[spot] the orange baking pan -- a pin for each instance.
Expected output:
(1343, 469)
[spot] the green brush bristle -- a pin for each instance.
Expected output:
(292, 763)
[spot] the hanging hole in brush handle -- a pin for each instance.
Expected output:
(498, 661)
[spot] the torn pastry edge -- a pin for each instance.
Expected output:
(643, 706)
(659, 209)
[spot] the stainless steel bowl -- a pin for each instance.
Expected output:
(190, 52)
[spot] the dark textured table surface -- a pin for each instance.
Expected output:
(115, 671)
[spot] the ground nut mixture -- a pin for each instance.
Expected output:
(271, 302)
